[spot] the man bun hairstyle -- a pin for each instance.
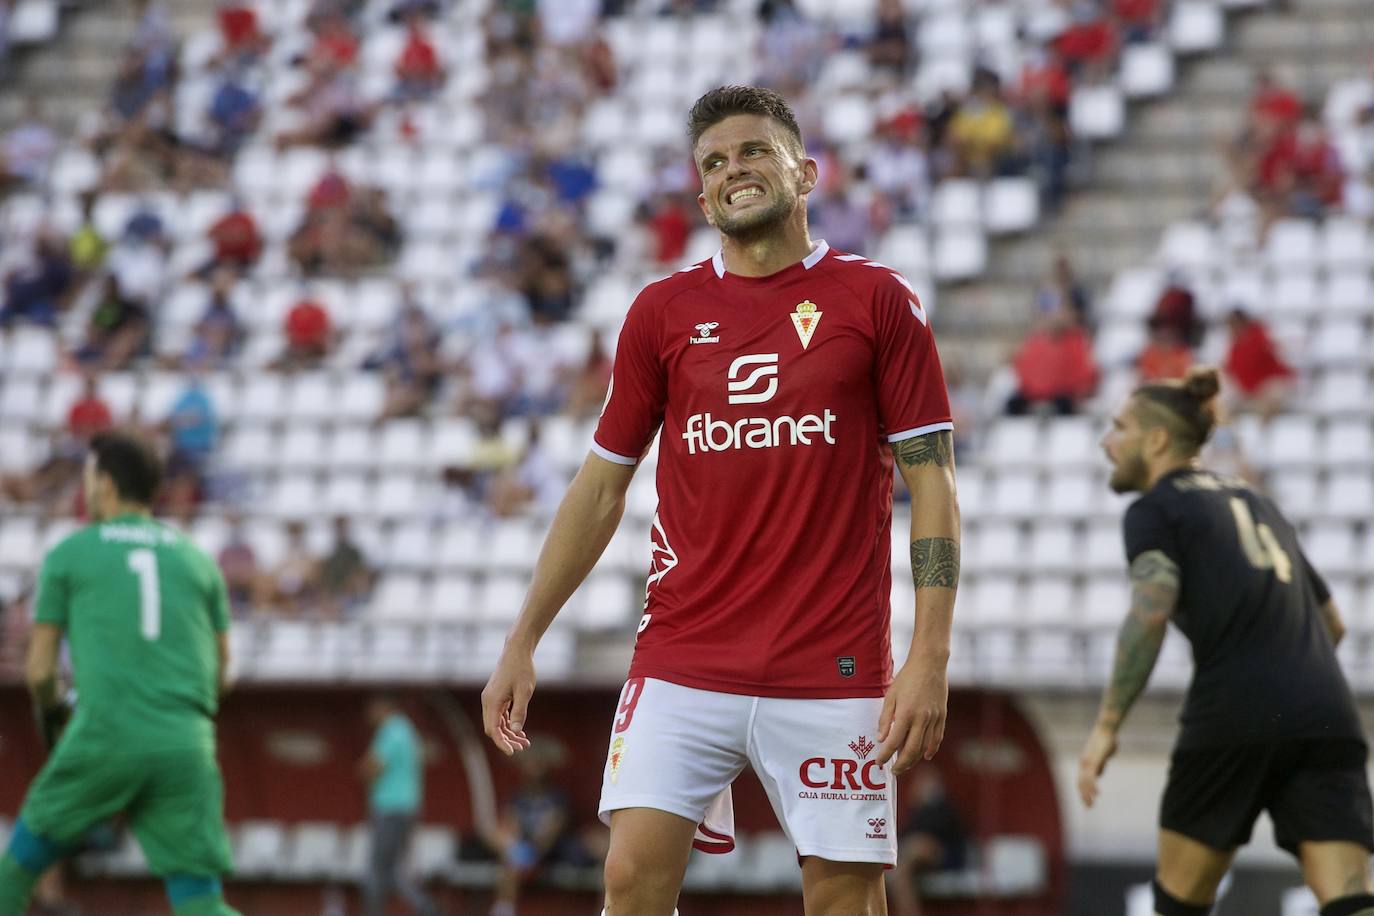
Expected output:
(1186, 407)
(132, 464)
(726, 101)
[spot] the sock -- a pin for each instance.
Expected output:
(1356, 905)
(1167, 905)
(195, 895)
(16, 886)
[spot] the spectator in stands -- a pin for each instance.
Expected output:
(27, 150)
(1317, 177)
(345, 229)
(1262, 379)
(1054, 367)
(37, 291)
(234, 114)
(419, 73)
(528, 487)
(841, 218)
(898, 164)
(1176, 310)
(411, 360)
(981, 132)
(139, 260)
(1138, 21)
(118, 330)
(192, 425)
(247, 585)
(241, 37)
(932, 840)
(295, 582)
(1089, 45)
(889, 45)
(548, 281)
(218, 335)
(535, 827)
(1166, 354)
(1224, 453)
(393, 769)
(1062, 291)
(1270, 101)
(309, 335)
(236, 240)
(587, 393)
(345, 577)
(671, 223)
(88, 247)
(89, 413)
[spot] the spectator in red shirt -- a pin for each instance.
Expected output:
(419, 72)
(1138, 19)
(1273, 103)
(239, 32)
(237, 241)
(1054, 367)
(309, 335)
(335, 44)
(89, 414)
(1317, 174)
(1166, 355)
(671, 225)
(1044, 77)
(1254, 365)
(1088, 46)
(1176, 308)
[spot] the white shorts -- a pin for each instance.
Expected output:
(678, 749)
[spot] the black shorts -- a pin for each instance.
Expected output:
(1314, 790)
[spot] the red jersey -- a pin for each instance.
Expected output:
(776, 397)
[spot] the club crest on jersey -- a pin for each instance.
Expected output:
(705, 329)
(805, 319)
(617, 758)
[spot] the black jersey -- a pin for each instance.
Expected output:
(1249, 602)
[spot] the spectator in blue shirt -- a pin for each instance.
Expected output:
(394, 771)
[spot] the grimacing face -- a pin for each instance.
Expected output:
(1124, 445)
(751, 176)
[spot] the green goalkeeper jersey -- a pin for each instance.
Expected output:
(141, 606)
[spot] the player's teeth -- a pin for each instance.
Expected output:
(747, 192)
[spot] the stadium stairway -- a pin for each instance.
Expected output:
(1163, 167)
(73, 73)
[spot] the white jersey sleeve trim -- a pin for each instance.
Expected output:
(612, 456)
(920, 431)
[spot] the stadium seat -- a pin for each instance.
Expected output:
(993, 601)
(1105, 601)
(22, 399)
(1016, 493)
(1133, 292)
(1050, 600)
(432, 851)
(20, 544)
(1074, 441)
(392, 650)
(463, 545)
(1291, 440)
(1292, 243)
(347, 494)
(1342, 391)
(1339, 341)
(956, 203)
(1013, 441)
(313, 850)
(1348, 442)
(499, 598)
(906, 248)
(301, 447)
(1010, 205)
(995, 546)
(607, 602)
(453, 597)
(1331, 546)
(771, 859)
(1349, 292)
(1195, 26)
(19, 449)
(1102, 550)
(1296, 292)
(1097, 112)
(1186, 244)
(259, 849)
(1146, 70)
(1119, 344)
(294, 495)
(1345, 243)
(1295, 491)
(1349, 494)
(262, 398)
(1054, 547)
(400, 597)
(1015, 865)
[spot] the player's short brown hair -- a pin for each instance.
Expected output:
(132, 464)
(726, 101)
(1186, 407)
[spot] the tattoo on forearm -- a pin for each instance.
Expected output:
(935, 562)
(932, 448)
(1154, 593)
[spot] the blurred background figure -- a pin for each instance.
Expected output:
(393, 770)
(932, 839)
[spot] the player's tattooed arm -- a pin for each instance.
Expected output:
(935, 448)
(935, 562)
(1154, 594)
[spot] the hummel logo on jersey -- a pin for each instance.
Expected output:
(739, 388)
(705, 329)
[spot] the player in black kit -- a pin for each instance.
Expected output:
(1269, 722)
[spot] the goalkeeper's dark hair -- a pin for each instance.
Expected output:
(132, 464)
(1185, 407)
(727, 101)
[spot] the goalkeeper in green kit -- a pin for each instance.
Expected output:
(145, 615)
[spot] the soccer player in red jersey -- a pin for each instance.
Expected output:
(782, 378)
